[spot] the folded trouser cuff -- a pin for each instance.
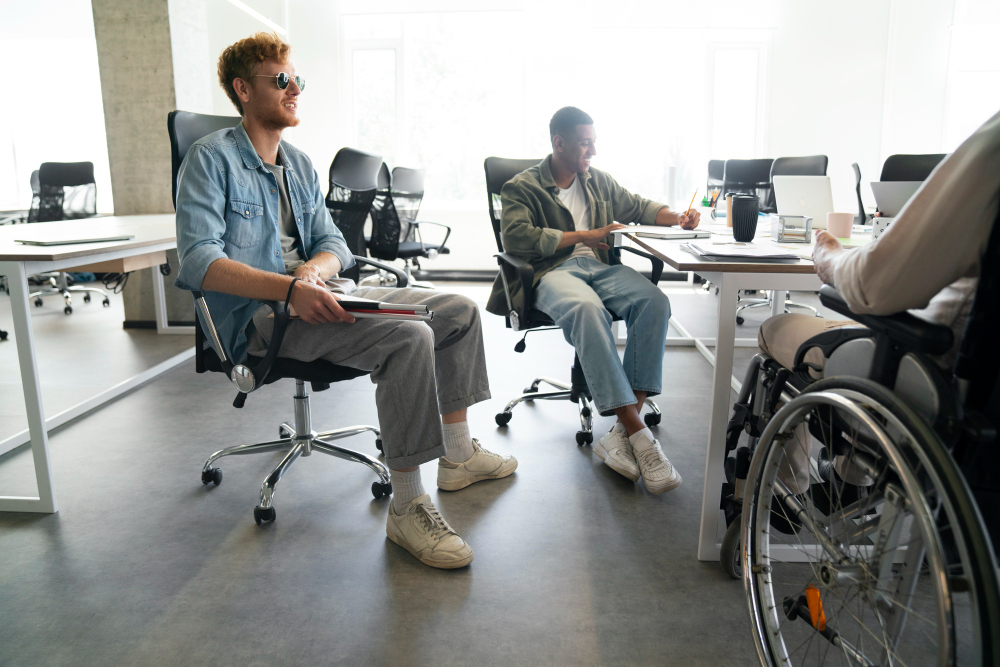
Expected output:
(462, 403)
(414, 460)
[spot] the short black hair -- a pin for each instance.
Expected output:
(565, 120)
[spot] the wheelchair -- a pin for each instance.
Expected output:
(850, 517)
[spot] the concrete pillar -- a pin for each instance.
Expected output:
(152, 56)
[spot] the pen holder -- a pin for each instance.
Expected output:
(744, 216)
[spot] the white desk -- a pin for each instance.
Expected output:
(729, 277)
(153, 233)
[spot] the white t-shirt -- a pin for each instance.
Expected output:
(575, 199)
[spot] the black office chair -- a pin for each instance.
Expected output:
(749, 177)
(716, 176)
(63, 191)
(515, 271)
(353, 186)
(904, 167)
(809, 165)
(254, 372)
(396, 232)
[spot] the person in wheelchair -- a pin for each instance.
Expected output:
(558, 216)
(865, 439)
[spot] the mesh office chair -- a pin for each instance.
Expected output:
(749, 177)
(297, 437)
(353, 186)
(904, 167)
(716, 176)
(515, 271)
(810, 165)
(63, 191)
(396, 232)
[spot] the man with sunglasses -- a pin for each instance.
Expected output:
(252, 226)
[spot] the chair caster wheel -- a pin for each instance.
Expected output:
(739, 319)
(729, 554)
(263, 515)
(652, 418)
(584, 438)
(379, 489)
(106, 303)
(86, 298)
(38, 303)
(530, 390)
(503, 418)
(284, 432)
(3, 335)
(211, 476)
(68, 310)
(378, 445)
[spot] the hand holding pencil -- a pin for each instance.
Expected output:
(690, 218)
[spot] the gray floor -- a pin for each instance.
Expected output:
(574, 565)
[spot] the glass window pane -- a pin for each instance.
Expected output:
(374, 74)
(734, 106)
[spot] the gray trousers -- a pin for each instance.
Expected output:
(421, 370)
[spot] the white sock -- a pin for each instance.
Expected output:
(405, 487)
(642, 440)
(457, 442)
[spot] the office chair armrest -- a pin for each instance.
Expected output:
(656, 270)
(516, 271)
(905, 329)
(400, 275)
(417, 223)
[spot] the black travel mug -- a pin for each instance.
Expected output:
(744, 215)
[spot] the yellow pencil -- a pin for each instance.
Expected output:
(692, 202)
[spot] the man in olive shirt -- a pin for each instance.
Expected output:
(558, 216)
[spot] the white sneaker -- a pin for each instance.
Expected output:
(484, 464)
(658, 473)
(616, 452)
(423, 532)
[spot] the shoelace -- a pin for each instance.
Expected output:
(433, 520)
(479, 448)
(653, 458)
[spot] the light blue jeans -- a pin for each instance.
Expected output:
(577, 295)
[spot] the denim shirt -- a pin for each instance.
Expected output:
(228, 205)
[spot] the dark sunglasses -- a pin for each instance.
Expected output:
(282, 79)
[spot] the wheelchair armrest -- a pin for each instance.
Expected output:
(400, 275)
(903, 328)
(517, 271)
(447, 233)
(656, 269)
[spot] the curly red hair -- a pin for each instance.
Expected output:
(242, 60)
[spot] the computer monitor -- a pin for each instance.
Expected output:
(804, 195)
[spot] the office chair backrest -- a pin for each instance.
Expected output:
(499, 170)
(353, 186)
(910, 167)
(716, 174)
(63, 191)
(384, 241)
(810, 165)
(749, 177)
(407, 195)
(187, 127)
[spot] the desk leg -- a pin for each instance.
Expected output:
(778, 298)
(708, 547)
(160, 306)
(46, 501)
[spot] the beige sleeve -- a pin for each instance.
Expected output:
(938, 237)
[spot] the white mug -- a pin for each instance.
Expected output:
(840, 224)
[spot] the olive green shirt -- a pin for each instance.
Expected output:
(533, 221)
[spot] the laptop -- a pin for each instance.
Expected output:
(124, 237)
(804, 195)
(891, 196)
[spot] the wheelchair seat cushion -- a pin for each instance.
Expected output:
(780, 337)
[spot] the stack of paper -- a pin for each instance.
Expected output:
(741, 253)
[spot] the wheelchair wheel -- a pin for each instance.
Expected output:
(901, 572)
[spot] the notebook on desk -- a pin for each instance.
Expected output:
(48, 242)
(658, 232)
(741, 253)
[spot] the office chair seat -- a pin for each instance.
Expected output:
(409, 249)
(319, 373)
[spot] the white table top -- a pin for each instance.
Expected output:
(671, 252)
(149, 230)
